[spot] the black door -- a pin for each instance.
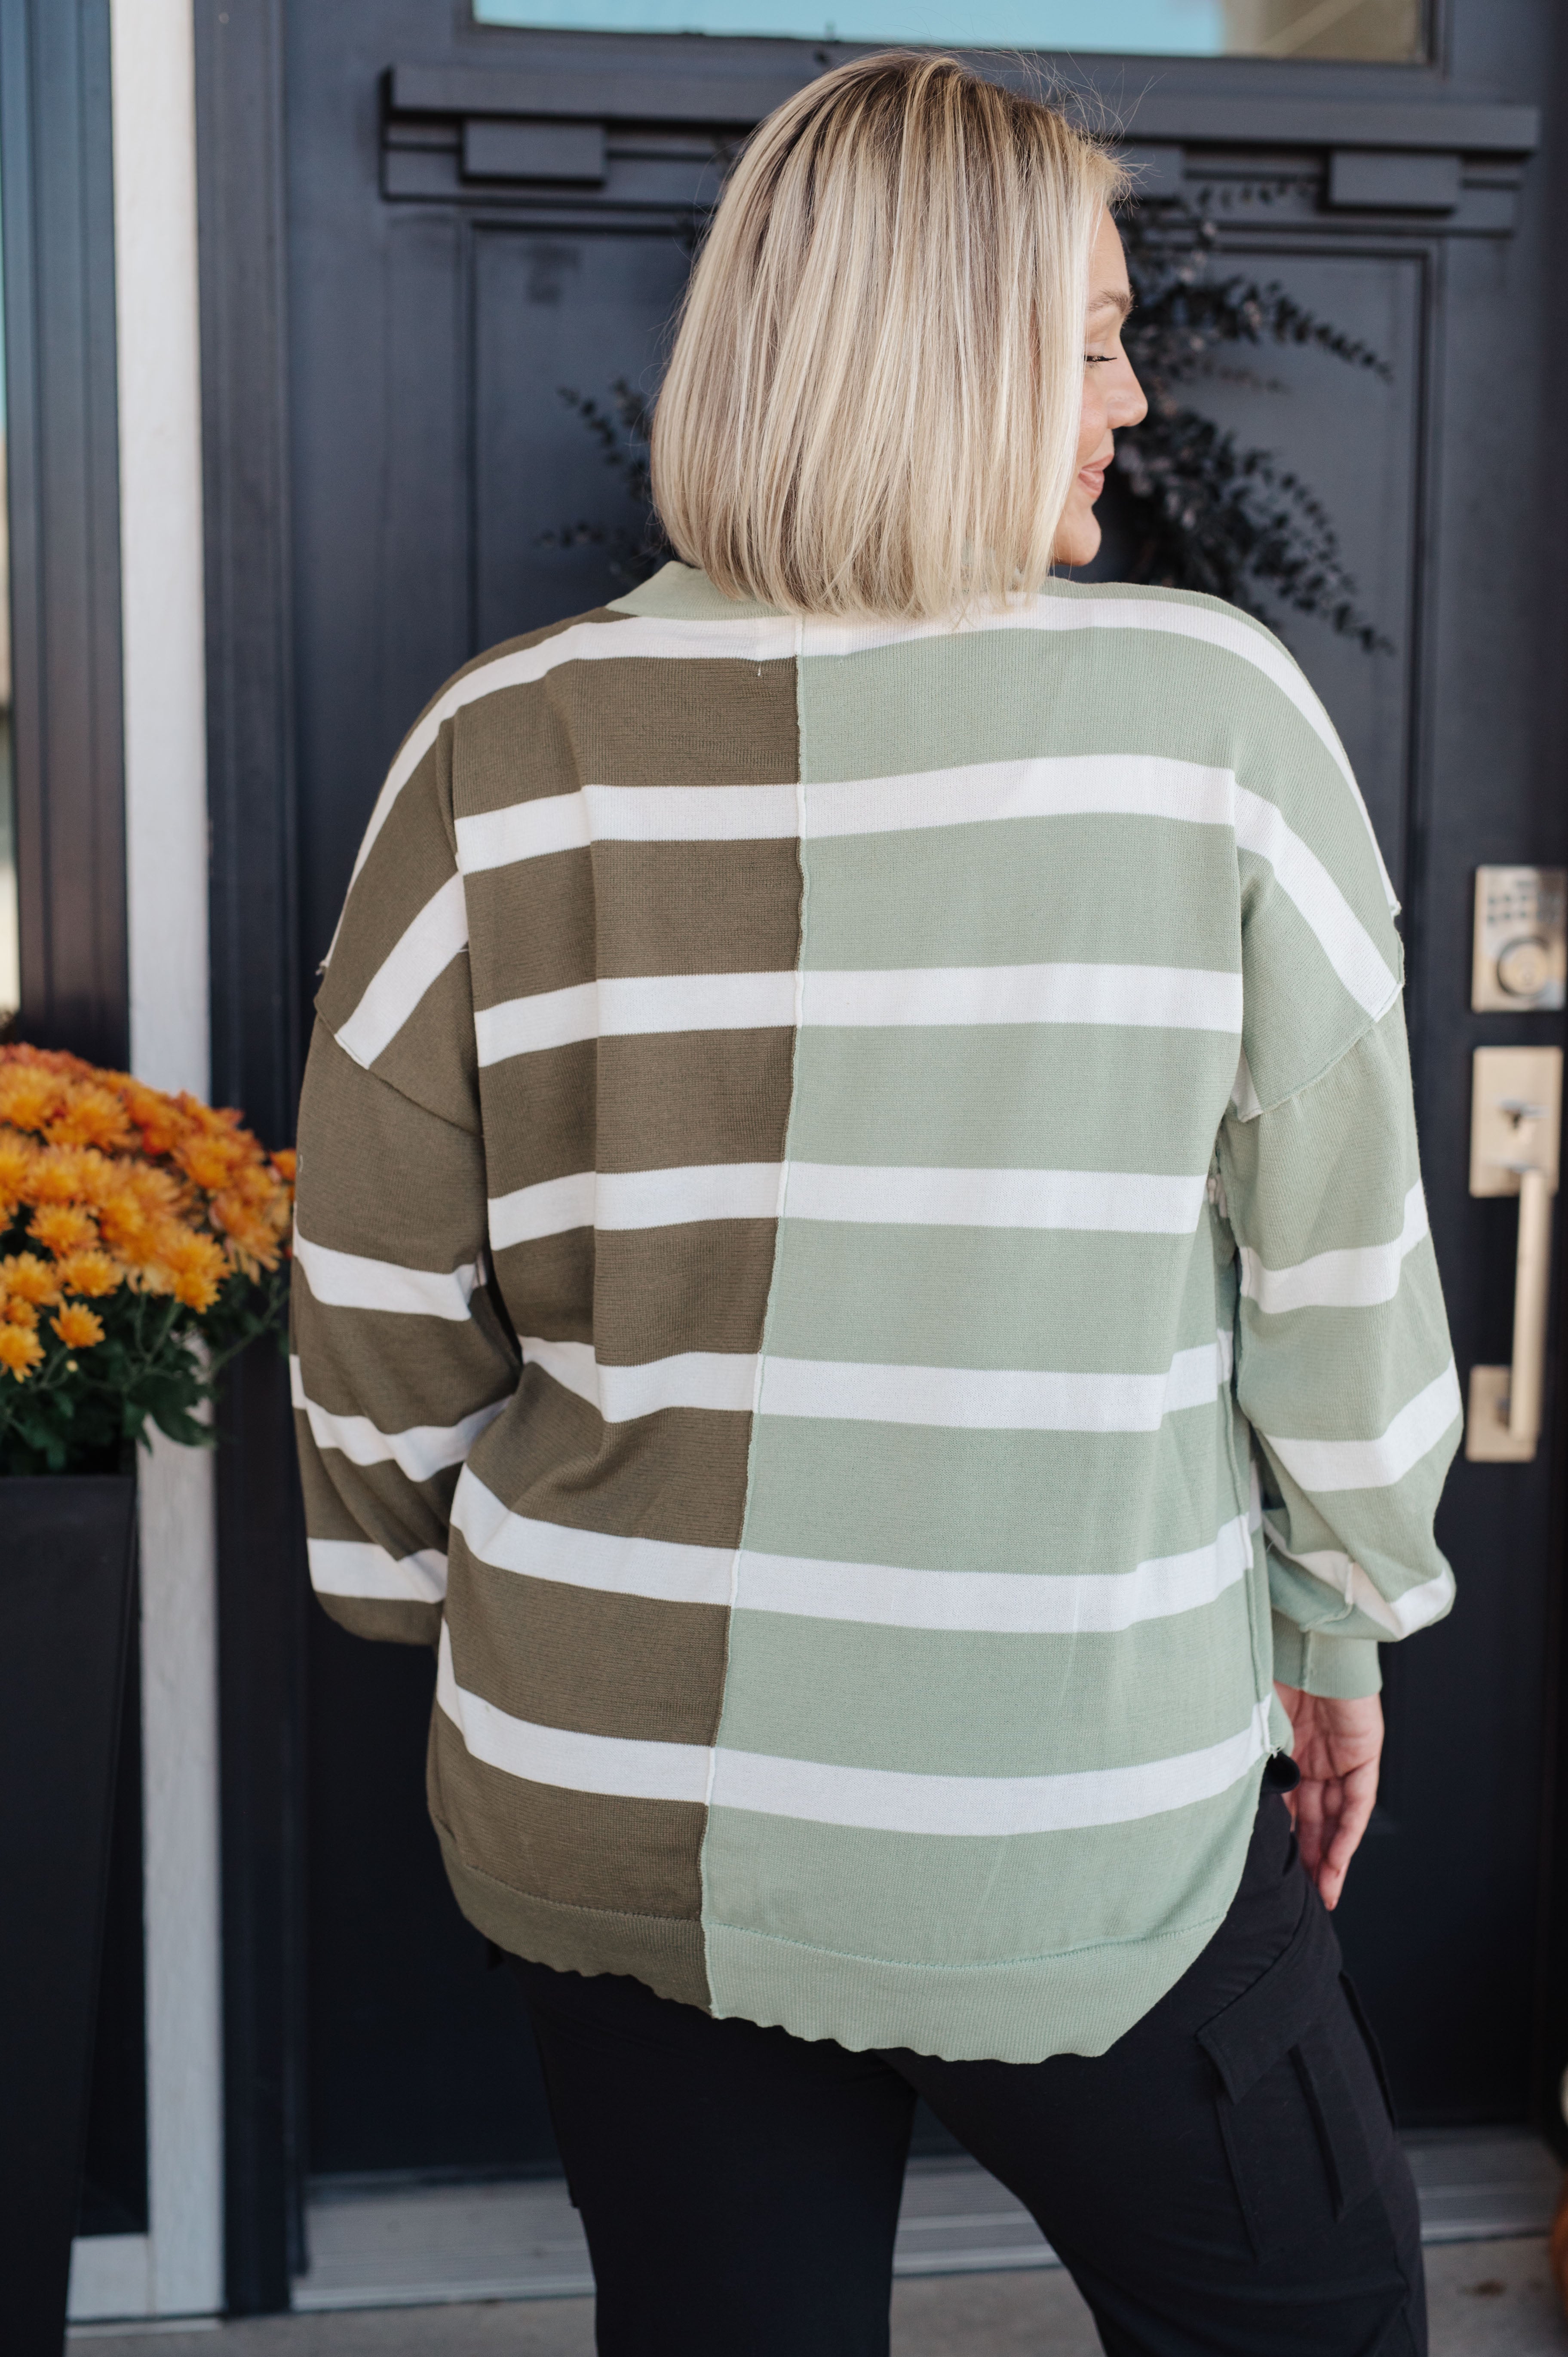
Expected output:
(487, 230)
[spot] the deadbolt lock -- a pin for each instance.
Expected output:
(1521, 956)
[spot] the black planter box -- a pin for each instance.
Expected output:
(66, 1554)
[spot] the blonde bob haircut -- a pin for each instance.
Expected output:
(872, 405)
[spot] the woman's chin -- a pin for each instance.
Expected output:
(1077, 541)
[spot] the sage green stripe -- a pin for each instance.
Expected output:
(942, 1501)
(956, 1901)
(1046, 1096)
(920, 1297)
(973, 1703)
(1014, 891)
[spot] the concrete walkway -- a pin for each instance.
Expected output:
(1488, 2299)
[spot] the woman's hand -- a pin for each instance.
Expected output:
(1337, 1747)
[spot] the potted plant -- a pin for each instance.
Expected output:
(142, 1239)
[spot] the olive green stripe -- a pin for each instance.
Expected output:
(679, 1475)
(584, 1658)
(411, 859)
(629, 1857)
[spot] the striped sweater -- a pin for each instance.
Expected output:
(862, 1279)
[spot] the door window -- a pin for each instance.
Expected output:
(1367, 29)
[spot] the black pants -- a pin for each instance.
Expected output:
(1223, 2182)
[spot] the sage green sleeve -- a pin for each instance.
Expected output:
(1344, 1366)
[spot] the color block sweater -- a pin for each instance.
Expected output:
(862, 1279)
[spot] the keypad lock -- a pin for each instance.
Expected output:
(1521, 956)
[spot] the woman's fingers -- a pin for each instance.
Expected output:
(1356, 1795)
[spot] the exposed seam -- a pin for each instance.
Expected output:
(778, 1229)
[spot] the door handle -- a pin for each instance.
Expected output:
(1516, 1112)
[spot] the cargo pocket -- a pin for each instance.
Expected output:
(1301, 2112)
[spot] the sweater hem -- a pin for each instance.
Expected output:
(664, 1952)
(1020, 2010)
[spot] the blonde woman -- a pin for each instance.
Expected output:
(862, 1280)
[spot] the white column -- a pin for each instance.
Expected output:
(165, 827)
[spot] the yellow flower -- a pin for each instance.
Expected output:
(210, 1161)
(28, 1279)
(62, 1229)
(77, 1327)
(14, 1311)
(91, 1115)
(62, 1174)
(92, 1273)
(19, 1351)
(27, 1096)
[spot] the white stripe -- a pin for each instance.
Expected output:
(636, 1199)
(1358, 1279)
(750, 637)
(553, 1208)
(1076, 785)
(355, 1568)
(1324, 1465)
(706, 1379)
(1128, 1202)
(1167, 996)
(341, 1280)
(879, 1799)
(891, 1800)
(553, 1755)
(437, 935)
(635, 1567)
(422, 1451)
(533, 830)
(1173, 998)
(646, 1003)
(992, 1399)
(957, 1398)
(1417, 1608)
(1173, 618)
(1303, 878)
(1006, 1603)
(1020, 1602)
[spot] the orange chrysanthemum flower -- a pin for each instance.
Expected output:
(157, 1118)
(64, 1174)
(29, 1096)
(63, 1228)
(212, 1162)
(285, 1162)
(78, 1329)
(91, 1115)
(92, 1273)
(14, 1311)
(25, 1277)
(19, 1352)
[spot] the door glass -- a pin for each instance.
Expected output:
(1377, 30)
(10, 957)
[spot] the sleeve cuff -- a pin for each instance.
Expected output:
(1341, 1668)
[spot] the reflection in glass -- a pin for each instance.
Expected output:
(1373, 30)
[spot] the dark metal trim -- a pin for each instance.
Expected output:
(57, 198)
(261, 1582)
(736, 97)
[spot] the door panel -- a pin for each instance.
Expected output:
(554, 313)
(437, 309)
